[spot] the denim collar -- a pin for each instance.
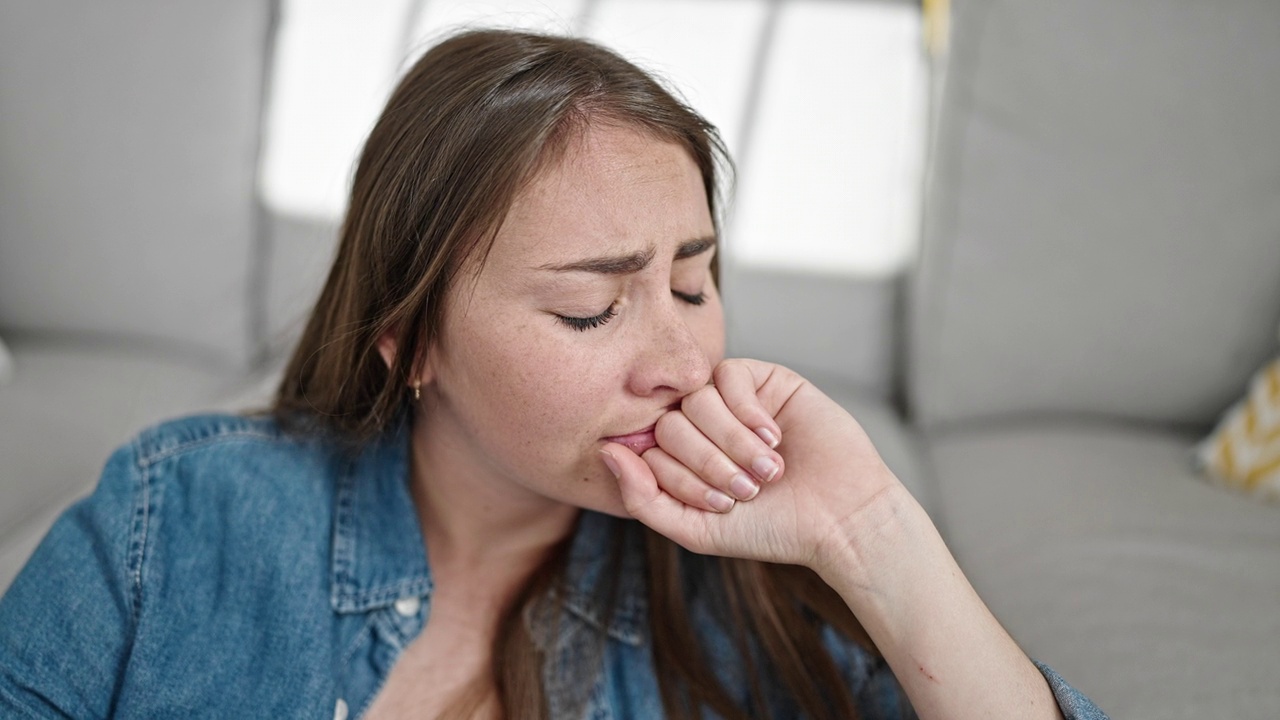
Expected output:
(589, 561)
(379, 555)
(378, 552)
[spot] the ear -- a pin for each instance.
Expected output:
(387, 346)
(389, 349)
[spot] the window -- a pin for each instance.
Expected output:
(821, 102)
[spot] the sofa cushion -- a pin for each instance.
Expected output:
(1102, 233)
(847, 334)
(65, 411)
(1107, 558)
(128, 157)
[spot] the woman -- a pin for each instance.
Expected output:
(519, 347)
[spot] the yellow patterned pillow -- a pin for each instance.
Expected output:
(1244, 451)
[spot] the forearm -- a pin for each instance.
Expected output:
(951, 656)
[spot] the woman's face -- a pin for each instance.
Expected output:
(593, 314)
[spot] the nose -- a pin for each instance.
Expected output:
(671, 357)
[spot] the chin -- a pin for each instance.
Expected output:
(609, 504)
(596, 491)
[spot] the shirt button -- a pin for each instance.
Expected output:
(408, 606)
(340, 710)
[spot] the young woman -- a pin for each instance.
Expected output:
(517, 356)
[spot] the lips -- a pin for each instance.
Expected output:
(638, 441)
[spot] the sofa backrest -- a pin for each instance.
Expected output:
(1102, 231)
(128, 152)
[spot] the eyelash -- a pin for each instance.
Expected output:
(582, 324)
(695, 299)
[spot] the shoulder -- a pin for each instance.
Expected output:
(227, 450)
(229, 500)
(206, 536)
(228, 472)
(228, 433)
(221, 488)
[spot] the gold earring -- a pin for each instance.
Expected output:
(417, 389)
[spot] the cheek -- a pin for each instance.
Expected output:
(537, 386)
(710, 331)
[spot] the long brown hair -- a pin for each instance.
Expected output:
(470, 124)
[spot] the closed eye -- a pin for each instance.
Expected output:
(582, 324)
(696, 299)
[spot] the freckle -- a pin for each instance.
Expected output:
(586, 479)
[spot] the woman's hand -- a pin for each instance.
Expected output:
(834, 507)
(793, 498)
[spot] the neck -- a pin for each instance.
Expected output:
(474, 521)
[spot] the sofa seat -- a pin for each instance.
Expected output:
(1105, 556)
(66, 408)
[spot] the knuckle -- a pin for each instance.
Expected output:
(666, 427)
(745, 443)
(726, 368)
(698, 399)
(734, 362)
(657, 459)
(708, 466)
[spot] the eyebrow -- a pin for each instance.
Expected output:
(634, 262)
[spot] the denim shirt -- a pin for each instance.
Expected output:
(224, 568)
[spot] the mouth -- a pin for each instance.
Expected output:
(637, 442)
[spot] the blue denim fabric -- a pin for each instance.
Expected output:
(225, 569)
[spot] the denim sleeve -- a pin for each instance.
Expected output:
(67, 621)
(1073, 704)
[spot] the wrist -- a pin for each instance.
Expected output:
(872, 552)
(890, 565)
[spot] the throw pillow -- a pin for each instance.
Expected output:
(1244, 450)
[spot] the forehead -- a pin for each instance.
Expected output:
(614, 189)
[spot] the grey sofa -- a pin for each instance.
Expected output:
(1099, 276)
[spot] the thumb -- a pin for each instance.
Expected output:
(643, 499)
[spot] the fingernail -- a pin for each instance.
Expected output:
(764, 467)
(719, 501)
(768, 437)
(611, 463)
(743, 487)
